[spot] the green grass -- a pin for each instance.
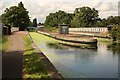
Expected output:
(5, 43)
(104, 40)
(39, 38)
(33, 66)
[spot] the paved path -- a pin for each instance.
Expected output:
(12, 62)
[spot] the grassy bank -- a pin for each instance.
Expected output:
(104, 40)
(41, 38)
(5, 43)
(33, 66)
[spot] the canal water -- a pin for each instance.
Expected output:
(80, 63)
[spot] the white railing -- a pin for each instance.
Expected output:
(92, 29)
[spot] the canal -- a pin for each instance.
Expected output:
(79, 63)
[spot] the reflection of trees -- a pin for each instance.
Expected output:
(115, 47)
(56, 46)
(69, 46)
(85, 55)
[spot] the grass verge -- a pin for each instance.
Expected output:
(33, 67)
(5, 43)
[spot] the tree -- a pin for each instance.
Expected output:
(23, 21)
(115, 32)
(35, 22)
(85, 17)
(8, 18)
(60, 17)
(113, 20)
(16, 16)
(102, 22)
(30, 23)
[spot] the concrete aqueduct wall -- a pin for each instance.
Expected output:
(92, 29)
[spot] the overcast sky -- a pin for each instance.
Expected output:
(41, 8)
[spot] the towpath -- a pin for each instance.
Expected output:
(12, 59)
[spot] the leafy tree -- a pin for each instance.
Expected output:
(30, 24)
(113, 20)
(85, 17)
(115, 32)
(102, 22)
(16, 16)
(60, 17)
(118, 32)
(8, 18)
(23, 21)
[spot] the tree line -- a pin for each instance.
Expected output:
(81, 17)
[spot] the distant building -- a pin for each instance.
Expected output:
(63, 29)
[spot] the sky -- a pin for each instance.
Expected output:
(41, 8)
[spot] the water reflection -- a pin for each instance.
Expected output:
(56, 45)
(114, 47)
(76, 62)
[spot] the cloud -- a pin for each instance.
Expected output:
(41, 8)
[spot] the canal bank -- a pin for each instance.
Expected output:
(52, 71)
(73, 39)
(88, 43)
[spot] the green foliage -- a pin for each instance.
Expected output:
(51, 29)
(115, 32)
(75, 22)
(60, 17)
(5, 43)
(30, 24)
(84, 17)
(115, 47)
(104, 40)
(35, 22)
(16, 16)
(102, 22)
(113, 20)
(33, 66)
